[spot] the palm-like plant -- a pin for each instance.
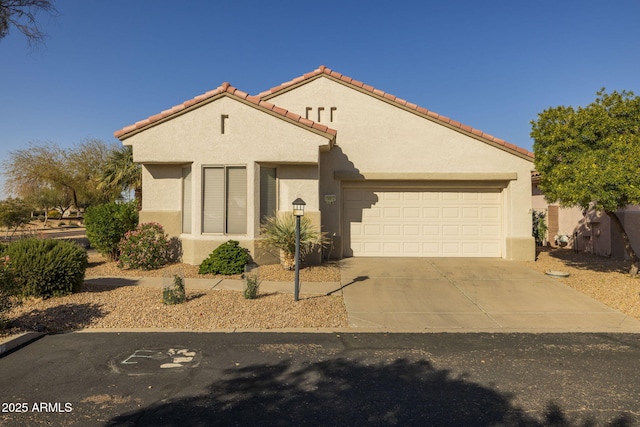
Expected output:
(121, 172)
(279, 231)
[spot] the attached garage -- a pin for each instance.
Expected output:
(422, 222)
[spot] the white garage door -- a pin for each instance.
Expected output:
(422, 223)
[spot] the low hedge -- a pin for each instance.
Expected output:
(47, 268)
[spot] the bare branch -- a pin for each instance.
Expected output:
(22, 14)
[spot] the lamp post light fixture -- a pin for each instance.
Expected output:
(298, 212)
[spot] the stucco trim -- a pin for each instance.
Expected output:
(425, 176)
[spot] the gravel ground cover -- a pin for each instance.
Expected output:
(99, 306)
(604, 279)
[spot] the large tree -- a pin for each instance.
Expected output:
(589, 156)
(22, 14)
(75, 171)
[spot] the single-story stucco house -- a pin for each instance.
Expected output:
(380, 175)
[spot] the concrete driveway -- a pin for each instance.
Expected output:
(468, 295)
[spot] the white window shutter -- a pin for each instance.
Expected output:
(213, 200)
(236, 200)
(186, 200)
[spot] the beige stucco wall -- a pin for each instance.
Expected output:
(251, 137)
(375, 137)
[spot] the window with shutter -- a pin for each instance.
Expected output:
(267, 192)
(224, 200)
(186, 200)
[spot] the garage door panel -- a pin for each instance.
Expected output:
(372, 212)
(423, 223)
(392, 230)
(431, 213)
(411, 212)
(411, 230)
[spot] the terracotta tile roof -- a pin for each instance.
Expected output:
(324, 71)
(226, 90)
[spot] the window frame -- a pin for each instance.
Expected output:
(225, 190)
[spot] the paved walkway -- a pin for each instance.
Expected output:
(309, 288)
(468, 295)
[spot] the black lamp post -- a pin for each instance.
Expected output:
(298, 212)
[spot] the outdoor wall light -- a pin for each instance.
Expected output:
(298, 207)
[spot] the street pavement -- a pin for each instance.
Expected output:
(339, 378)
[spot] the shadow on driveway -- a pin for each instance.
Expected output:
(347, 392)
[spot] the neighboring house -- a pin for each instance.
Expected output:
(380, 175)
(589, 231)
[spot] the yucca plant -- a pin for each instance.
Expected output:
(279, 231)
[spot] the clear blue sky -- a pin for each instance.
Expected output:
(493, 65)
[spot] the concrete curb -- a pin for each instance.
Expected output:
(13, 342)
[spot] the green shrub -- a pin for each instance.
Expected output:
(251, 286)
(174, 294)
(7, 288)
(46, 268)
(539, 226)
(228, 258)
(107, 224)
(146, 247)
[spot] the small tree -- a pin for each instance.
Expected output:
(539, 226)
(279, 231)
(588, 156)
(107, 224)
(14, 213)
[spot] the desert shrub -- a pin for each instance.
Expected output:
(146, 247)
(251, 286)
(46, 268)
(228, 258)
(53, 214)
(174, 294)
(7, 288)
(107, 224)
(279, 232)
(41, 218)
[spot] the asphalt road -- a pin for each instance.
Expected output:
(202, 379)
